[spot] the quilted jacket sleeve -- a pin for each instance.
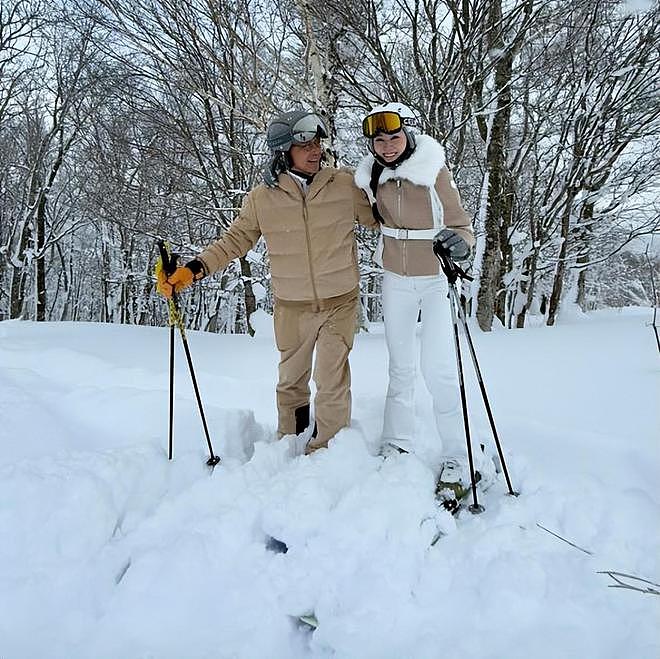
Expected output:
(241, 236)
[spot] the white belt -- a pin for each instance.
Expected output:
(409, 234)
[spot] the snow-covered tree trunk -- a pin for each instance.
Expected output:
(491, 297)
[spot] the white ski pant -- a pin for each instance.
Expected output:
(403, 298)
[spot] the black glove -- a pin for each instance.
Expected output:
(197, 268)
(452, 244)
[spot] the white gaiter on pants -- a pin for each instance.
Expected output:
(403, 297)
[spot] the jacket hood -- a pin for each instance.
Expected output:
(421, 168)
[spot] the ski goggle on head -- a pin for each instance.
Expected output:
(382, 122)
(308, 128)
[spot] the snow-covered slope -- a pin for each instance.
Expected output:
(107, 550)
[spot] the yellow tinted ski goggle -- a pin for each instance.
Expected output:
(381, 122)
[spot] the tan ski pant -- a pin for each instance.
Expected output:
(328, 328)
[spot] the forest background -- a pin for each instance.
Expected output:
(125, 121)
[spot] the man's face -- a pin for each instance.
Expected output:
(306, 158)
(390, 147)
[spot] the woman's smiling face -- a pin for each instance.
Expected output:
(390, 147)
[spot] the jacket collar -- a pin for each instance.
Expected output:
(324, 176)
(422, 168)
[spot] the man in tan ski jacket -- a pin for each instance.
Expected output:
(307, 217)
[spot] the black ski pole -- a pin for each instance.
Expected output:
(482, 388)
(213, 459)
(475, 507)
(169, 266)
(170, 446)
(453, 272)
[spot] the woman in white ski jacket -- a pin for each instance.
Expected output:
(412, 190)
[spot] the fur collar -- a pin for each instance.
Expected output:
(422, 168)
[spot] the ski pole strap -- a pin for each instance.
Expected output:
(452, 270)
(167, 258)
(176, 317)
(461, 273)
(169, 263)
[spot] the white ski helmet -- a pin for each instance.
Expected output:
(388, 119)
(378, 119)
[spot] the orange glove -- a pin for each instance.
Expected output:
(181, 278)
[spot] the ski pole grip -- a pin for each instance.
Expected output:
(168, 260)
(441, 252)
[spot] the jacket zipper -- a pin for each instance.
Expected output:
(401, 224)
(309, 254)
(308, 239)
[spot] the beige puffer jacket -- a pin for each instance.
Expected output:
(404, 201)
(310, 238)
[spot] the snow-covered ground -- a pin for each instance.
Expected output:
(109, 551)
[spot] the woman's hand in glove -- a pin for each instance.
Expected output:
(452, 244)
(181, 278)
